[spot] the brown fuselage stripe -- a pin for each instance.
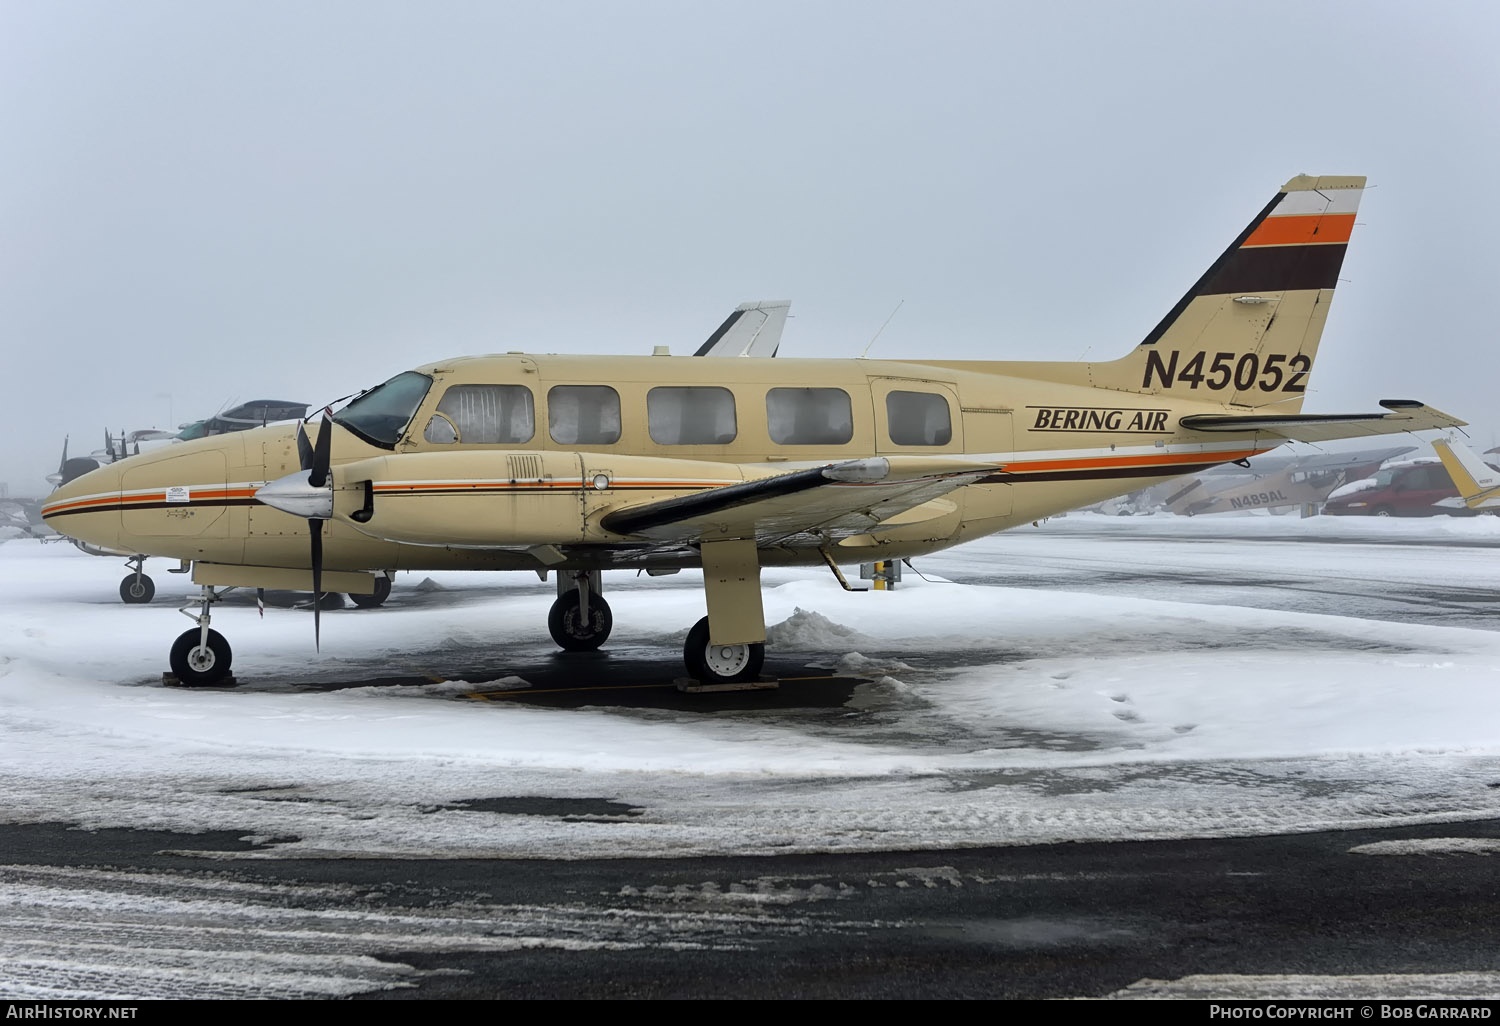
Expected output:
(1075, 473)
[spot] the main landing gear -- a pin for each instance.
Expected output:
(725, 650)
(580, 620)
(137, 587)
(716, 665)
(200, 657)
(729, 656)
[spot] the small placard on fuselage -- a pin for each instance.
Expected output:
(177, 495)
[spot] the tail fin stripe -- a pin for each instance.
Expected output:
(1278, 269)
(1302, 230)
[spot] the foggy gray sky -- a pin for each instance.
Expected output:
(206, 201)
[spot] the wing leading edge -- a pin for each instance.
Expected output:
(837, 500)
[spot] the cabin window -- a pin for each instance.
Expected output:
(583, 415)
(483, 415)
(381, 415)
(809, 416)
(918, 418)
(691, 415)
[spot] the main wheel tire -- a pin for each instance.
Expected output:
(564, 622)
(137, 588)
(720, 664)
(382, 592)
(1383, 511)
(197, 665)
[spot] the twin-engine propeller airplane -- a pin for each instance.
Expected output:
(581, 464)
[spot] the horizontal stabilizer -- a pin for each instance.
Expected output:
(1405, 415)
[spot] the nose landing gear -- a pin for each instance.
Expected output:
(580, 620)
(137, 587)
(200, 657)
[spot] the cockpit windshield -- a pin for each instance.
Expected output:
(380, 415)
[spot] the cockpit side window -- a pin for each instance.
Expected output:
(381, 415)
(483, 415)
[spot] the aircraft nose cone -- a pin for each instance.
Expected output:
(292, 494)
(86, 507)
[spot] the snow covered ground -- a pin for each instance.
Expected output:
(992, 714)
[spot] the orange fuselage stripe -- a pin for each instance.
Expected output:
(117, 500)
(1018, 468)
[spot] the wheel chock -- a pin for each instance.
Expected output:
(690, 686)
(171, 680)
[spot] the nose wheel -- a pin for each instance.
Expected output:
(137, 588)
(200, 658)
(566, 624)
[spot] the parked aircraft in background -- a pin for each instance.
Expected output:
(256, 413)
(1477, 482)
(753, 329)
(1304, 480)
(1407, 488)
(21, 518)
(575, 465)
(129, 443)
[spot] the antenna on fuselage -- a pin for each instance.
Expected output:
(882, 328)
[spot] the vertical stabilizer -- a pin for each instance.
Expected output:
(754, 329)
(1247, 332)
(1477, 482)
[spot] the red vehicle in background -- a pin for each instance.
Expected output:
(1406, 489)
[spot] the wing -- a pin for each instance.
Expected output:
(837, 501)
(1405, 415)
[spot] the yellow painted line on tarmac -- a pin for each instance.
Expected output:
(487, 696)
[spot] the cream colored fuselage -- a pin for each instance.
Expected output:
(538, 503)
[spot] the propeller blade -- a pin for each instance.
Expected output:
(62, 466)
(318, 473)
(316, 527)
(304, 447)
